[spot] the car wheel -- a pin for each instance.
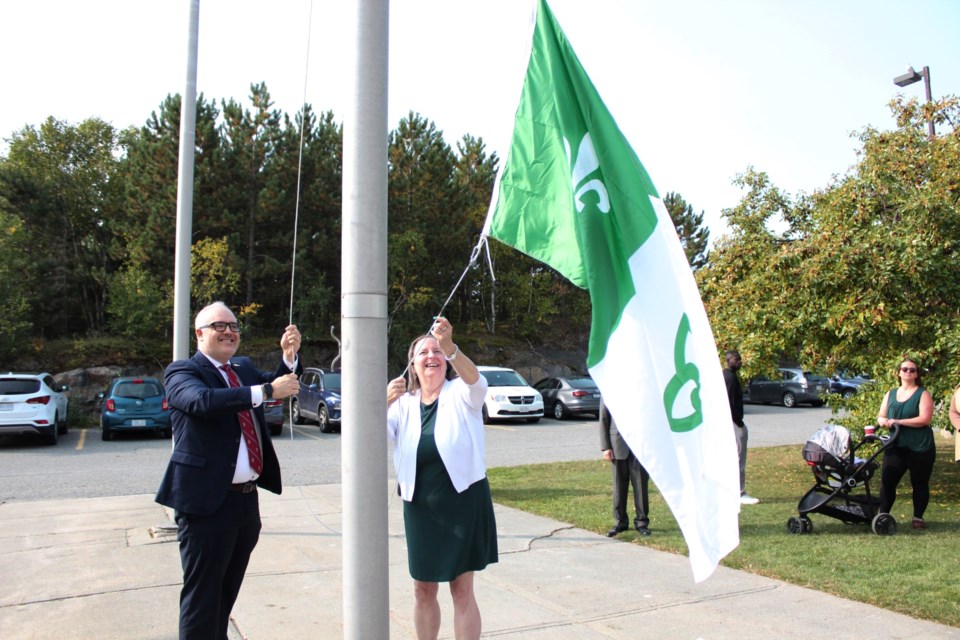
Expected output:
(849, 393)
(789, 400)
(105, 435)
(486, 416)
(62, 425)
(295, 413)
(559, 411)
(52, 436)
(817, 403)
(324, 419)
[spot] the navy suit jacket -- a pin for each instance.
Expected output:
(206, 433)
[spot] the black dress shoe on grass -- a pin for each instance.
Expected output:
(615, 531)
(644, 531)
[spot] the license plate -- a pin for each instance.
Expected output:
(138, 423)
(6, 406)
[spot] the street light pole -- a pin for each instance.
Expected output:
(909, 78)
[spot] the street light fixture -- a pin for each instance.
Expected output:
(912, 76)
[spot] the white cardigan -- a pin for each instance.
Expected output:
(458, 432)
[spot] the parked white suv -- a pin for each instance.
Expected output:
(32, 404)
(509, 397)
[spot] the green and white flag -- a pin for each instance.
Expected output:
(572, 193)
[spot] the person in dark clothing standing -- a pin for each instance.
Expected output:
(911, 407)
(735, 396)
(222, 455)
(625, 466)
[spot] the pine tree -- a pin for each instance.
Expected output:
(693, 235)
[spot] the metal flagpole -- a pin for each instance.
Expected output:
(181, 265)
(364, 326)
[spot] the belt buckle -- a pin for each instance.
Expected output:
(249, 486)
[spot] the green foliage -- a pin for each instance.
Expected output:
(137, 305)
(15, 310)
(144, 227)
(59, 183)
(212, 275)
(694, 237)
(923, 561)
(858, 272)
(92, 228)
(863, 271)
(746, 288)
(64, 355)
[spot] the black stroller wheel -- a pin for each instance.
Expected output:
(807, 524)
(795, 525)
(884, 524)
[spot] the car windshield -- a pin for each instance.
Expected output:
(582, 383)
(138, 390)
(332, 381)
(504, 379)
(813, 377)
(13, 386)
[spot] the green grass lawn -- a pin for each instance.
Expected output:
(912, 572)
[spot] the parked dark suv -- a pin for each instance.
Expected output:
(789, 387)
(319, 399)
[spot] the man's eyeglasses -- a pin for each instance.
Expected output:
(220, 327)
(908, 369)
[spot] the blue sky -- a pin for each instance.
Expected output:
(702, 89)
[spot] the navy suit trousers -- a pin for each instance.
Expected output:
(626, 473)
(214, 552)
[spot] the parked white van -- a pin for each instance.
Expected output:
(509, 397)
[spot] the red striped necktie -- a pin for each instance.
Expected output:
(247, 426)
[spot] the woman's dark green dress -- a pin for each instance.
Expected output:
(448, 533)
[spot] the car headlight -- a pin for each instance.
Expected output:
(498, 397)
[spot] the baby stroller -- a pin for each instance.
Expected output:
(842, 490)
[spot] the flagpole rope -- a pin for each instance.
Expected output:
(473, 258)
(296, 209)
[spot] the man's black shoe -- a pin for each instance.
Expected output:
(644, 531)
(615, 531)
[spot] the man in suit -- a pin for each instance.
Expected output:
(222, 452)
(626, 467)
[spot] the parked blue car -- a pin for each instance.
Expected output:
(132, 405)
(273, 412)
(319, 399)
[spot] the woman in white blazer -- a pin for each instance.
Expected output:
(435, 422)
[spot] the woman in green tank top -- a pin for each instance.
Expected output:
(911, 407)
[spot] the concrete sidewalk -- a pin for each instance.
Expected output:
(90, 568)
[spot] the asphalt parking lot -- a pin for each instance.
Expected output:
(83, 466)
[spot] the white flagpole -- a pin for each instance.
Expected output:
(366, 607)
(188, 125)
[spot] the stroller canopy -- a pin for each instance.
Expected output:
(833, 439)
